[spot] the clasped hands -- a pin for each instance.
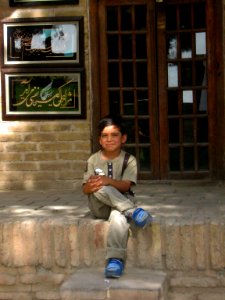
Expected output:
(95, 182)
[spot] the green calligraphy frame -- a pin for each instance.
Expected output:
(47, 94)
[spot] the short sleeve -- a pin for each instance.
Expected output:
(130, 172)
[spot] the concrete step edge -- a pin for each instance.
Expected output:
(136, 283)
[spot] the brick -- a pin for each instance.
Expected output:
(23, 127)
(216, 246)
(82, 146)
(6, 244)
(12, 175)
(201, 246)
(26, 270)
(57, 166)
(211, 296)
(21, 147)
(9, 137)
(39, 137)
(173, 247)
(80, 126)
(57, 127)
(74, 155)
(186, 295)
(22, 296)
(15, 296)
(47, 184)
(10, 157)
(41, 156)
(98, 234)
(74, 245)
(43, 278)
(13, 185)
(56, 146)
(187, 247)
(85, 238)
(25, 243)
(78, 166)
(38, 175)
(67, 174)
(194, 281)
(73, 136)
(7, 279)
(60, 244)
(46, 244)
(8, 270)
(6, 296)
(142, 243)
(19, 166)
(49, 295)
(155, 251)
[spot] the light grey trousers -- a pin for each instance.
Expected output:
(109, 203)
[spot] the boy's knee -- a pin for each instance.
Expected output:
(105, 190)
(117, 217)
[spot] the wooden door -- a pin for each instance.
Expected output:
(155, 58)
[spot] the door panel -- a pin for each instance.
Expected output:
(128, 69)
(154, 71)
(184, 127)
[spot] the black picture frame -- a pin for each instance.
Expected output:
(43, 94)
(41, 2)
(41, 41)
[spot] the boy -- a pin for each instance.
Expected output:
(107, 182)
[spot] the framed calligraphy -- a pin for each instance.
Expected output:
(44, 41)
(49, 94)
(41, 2)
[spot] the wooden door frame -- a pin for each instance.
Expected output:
(216, 67)
(95, 108)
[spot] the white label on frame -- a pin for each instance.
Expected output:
(172, 75)
(200, 40)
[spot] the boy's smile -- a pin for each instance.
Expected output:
(112, 140)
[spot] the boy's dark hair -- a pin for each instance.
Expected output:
(109, 120)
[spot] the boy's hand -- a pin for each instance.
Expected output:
(104, 180)
(93, 184)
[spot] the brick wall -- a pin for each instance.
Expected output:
(45, 154)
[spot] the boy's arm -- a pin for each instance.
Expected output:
(94, 183)
(121, 185)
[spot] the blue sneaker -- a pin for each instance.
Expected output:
(114, 268)
(141, 217)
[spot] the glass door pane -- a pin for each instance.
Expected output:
(187, 88)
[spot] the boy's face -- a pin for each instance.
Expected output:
(111, 138)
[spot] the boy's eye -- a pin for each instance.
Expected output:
(113, 135)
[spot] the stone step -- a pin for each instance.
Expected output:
(135, 284)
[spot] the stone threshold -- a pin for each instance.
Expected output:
(135, 283)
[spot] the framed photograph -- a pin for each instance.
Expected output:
(41, 2)
(43, 41)
(47, 94)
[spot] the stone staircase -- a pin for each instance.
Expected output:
(51, 249)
